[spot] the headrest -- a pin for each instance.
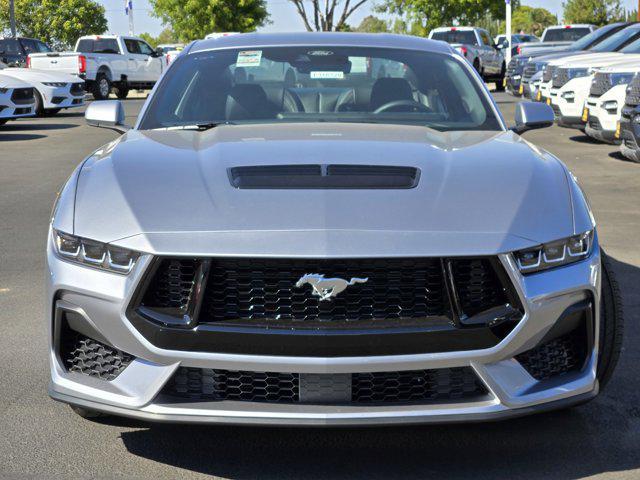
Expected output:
(387, 90)
(247, 101)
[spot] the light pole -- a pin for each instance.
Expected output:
(508, 30)
(12, 16)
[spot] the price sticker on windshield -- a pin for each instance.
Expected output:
(327, 75)
(249, 58)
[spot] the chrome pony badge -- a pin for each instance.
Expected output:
(327, 288)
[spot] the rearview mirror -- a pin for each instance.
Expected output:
(531, 116)
(107, 114)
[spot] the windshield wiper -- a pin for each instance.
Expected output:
(201, 127)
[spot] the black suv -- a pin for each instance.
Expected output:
(14, 51)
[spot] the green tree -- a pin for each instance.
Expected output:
(529, 20)
(598, 12)
(371, 24)
(424, 15)
(57, 22)
(193, 19)
(166, 36)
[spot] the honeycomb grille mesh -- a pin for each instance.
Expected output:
(417, 386)
(557, 357)
(443, 384)
(266, 290)
(85, 355)
(172, 284)
(478, 285)
(600, 85)
(633, 92)
(529, 71)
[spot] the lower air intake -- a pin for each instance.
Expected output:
(403, 387)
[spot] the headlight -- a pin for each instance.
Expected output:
(568, 96)
(55, 84)
(610, 105)
(620, 78)
(94, 254)
(555, 254)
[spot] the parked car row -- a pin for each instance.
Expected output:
(592, 86)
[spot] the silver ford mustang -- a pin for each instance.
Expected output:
(325, 229)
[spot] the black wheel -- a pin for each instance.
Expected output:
(500, 80)
(121, 92)
(86, 413)
(611, 323)
(476, 65)
(3, 121)
(50, 112)
(38, 109)
(101, 87)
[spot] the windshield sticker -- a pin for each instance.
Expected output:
(249, 58)
(320, 53)
(325, 75)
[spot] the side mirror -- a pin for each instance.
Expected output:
(107, 114)
(531, 116)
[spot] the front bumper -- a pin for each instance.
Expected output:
(61, 97)
(602, 123)
(10, 109)
(629, 137)
(569, 101)
(101, 299)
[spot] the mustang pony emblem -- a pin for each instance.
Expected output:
(327, 288)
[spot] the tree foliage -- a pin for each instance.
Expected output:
(165, 36)
(332, 16)
(372, 24)
(424, 15)
(193, 19)
(57, 22)
(531, 20)
(598, 12)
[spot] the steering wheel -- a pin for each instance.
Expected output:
(416, 106)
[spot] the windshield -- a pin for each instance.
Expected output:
(618, 39)
(565, 34)
(595, 37)
(456, 36)
(633, 47)
(320, 84)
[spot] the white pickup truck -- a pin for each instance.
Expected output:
(476, 45)
(106, 62)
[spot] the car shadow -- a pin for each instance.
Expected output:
(17, 137)
(600, 436)
(21, 126)
(619, 156)
(584, 138)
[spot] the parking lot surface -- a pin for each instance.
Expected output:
(40, 438)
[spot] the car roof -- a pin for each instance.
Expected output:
(381, 40)
(569, 25)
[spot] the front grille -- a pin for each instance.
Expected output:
(85, 355)
(560, 78)
(548, 73)
(529, 71)
(77, 89)
(600, 85)
(559, 356)
(22, 96)
(416, 386)
(512, 67)
(633, 92)
(383, 292)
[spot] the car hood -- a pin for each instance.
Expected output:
(33, 75)
(591, 60)
(170, 192)
(7, 81)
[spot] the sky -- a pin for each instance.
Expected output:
(283, 15)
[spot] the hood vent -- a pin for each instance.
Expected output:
(324, 177)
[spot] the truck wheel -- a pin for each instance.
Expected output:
(101, 87)
(86, 413)
(611, 324)
(50, 112)
(3, 121)
(476, 65)
(122, 92)
(500, 79)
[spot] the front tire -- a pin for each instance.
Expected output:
(122, 92)
(50, 112)
(101, 87)
(611, 324)
(476, 65)
(39, 107)
(500, 79)
(86, 413)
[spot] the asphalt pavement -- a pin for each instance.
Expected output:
(40, 438)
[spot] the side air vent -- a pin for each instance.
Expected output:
(324, 177)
